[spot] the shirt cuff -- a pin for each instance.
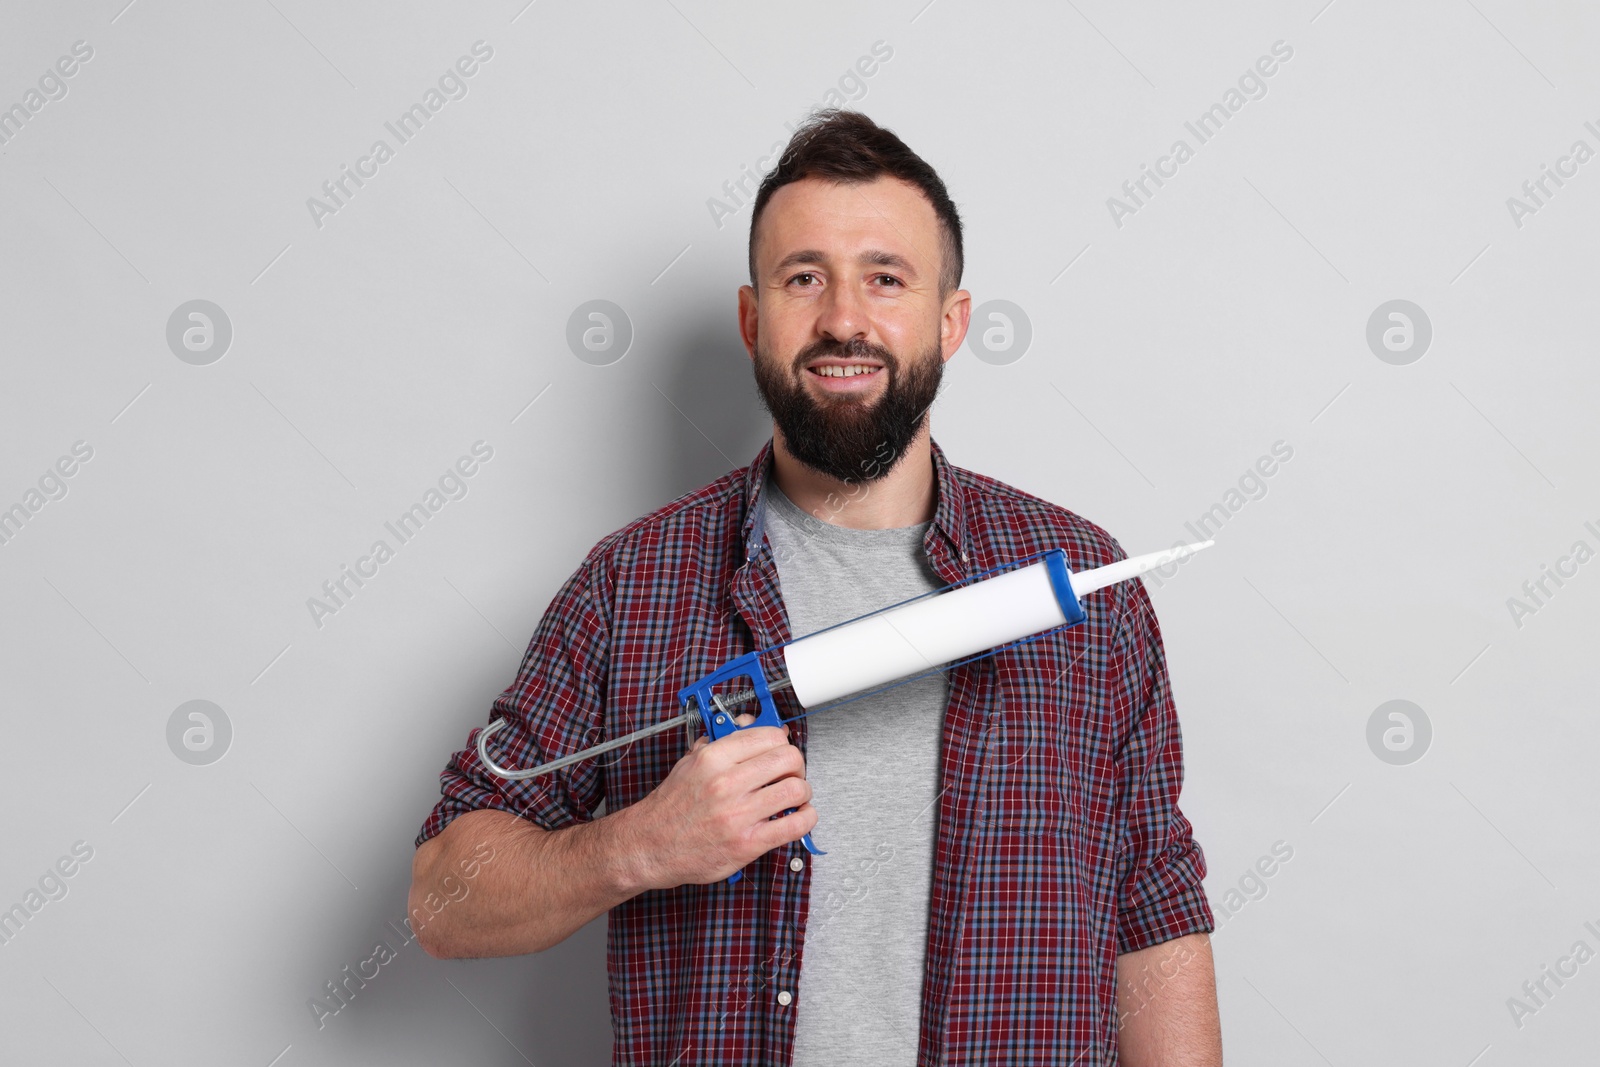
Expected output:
(464, 787)
(1171, 902)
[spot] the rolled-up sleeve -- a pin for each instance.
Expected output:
(1160, 866)
(555, 706)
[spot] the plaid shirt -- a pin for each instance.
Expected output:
(1060, 844)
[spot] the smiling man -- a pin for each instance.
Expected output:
(1008, 876)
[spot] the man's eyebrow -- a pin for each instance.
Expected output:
(874, 256)
(888, 259)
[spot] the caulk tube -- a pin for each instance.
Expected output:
(931, 631)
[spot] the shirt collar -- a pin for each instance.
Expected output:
(949, 517)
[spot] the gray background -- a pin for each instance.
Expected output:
(1167, 354)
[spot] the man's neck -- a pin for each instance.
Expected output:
(904, 497)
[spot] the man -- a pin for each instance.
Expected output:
(1008, 877)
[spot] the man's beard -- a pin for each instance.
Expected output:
(841, 435)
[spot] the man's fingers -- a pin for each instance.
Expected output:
(746, 719)
(752, 741)
(790, 827)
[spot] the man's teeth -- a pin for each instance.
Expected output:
(842, 372)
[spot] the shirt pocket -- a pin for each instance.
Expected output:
(1028, 785)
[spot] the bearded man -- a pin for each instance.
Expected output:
(1008, 878)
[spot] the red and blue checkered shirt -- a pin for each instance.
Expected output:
(1060, 844)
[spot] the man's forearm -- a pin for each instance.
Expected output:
(1167, 1005)
(538, 888)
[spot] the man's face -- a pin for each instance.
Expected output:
(847, 283)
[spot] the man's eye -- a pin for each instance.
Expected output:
(802, 274)
(891, 277)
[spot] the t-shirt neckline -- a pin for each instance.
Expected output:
(809, 525)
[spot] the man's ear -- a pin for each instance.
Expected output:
(954, 321)
(748, 319)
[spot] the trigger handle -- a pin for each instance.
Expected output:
(720, 724)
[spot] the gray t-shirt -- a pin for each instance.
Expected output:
(873, 765)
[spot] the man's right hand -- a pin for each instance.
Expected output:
(707, 819)
(713, 813)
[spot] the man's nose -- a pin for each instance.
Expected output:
(843, 314)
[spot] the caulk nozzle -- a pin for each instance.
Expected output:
(1086, 582)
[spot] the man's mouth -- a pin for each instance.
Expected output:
(839, 376)
(854, 370)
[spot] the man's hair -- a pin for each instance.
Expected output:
(846, 146)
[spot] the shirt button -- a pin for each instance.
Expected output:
(785, 997)
(797, 864)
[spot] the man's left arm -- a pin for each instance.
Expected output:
(1167, 999)
(1167, 1005)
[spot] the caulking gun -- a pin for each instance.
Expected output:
(1022, 601)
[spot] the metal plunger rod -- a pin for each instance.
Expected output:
(724, 702)
(564, 761)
